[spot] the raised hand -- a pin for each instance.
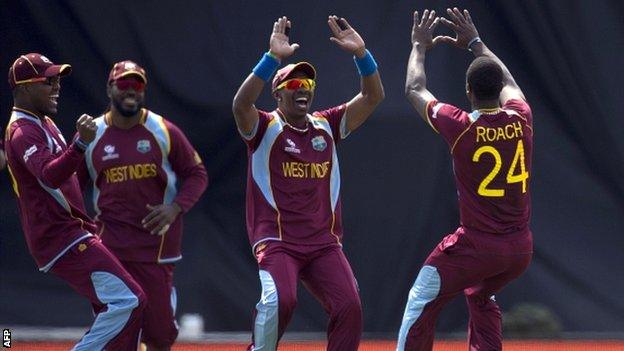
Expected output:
(422, 31)
(279, 45)
(86, 128)
(345, 36)
(461, 24)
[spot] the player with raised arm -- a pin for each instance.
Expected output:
(293, 188)
(491, 149)
(58, 231)
(134, 164)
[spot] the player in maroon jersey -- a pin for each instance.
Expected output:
(134, 163)
(58, 232)
(293, 187)
(491, 148)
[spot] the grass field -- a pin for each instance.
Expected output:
(368, 345)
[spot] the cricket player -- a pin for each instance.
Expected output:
(134, 164)
(293, 188)
(491, 149)
(58, 232)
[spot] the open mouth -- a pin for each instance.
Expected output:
(54, 99)
(302, 102)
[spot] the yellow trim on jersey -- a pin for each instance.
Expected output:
(427, 115)
(143, 117)
(13, 181)
(331, 230)
(516, 113)
(162, 244)
(461, 135)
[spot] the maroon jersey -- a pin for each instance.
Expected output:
(42, 169)
(131, 168)
(293, 179)
(492, 151)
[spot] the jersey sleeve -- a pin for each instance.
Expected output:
(189, 168)
(520, 106)
(337, 118)
(447, 120)
(253, 139)
(84, 178)
(51, 169)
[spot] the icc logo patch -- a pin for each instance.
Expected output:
(143, 146)
(110, 153)
(319, 143)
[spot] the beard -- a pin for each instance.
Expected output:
(127, 112)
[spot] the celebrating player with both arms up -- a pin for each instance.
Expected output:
(293, 187)
(491, 148)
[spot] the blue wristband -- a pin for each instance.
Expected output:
(365, 65)
(266, 67)
(81, 144)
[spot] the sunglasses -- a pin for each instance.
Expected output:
(125, 84)
(296, 83)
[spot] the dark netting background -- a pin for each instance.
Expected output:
(398, 192)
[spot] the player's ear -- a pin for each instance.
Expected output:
(108, 90)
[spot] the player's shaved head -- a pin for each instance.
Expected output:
(485, 78)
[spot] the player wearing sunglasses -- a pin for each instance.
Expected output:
(59, 234)
(293, 188)
(133, 164)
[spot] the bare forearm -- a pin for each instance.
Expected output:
(372, 89)
(416, 78)
(416, 81)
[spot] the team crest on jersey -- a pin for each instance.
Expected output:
(110, 153)
(292, 147)
(143, 146)
(319, 143)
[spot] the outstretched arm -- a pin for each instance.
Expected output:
(468, 38)
(371, 89)
(416, 80)
(245, 113)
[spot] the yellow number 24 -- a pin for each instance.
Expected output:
(522, 177)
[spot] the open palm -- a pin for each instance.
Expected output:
(279, 44)
(344, 35)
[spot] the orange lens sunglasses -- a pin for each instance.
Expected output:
(296, 83)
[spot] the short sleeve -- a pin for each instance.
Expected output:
(337, 119)
(253, 139)
(520, 106)
(447, 120)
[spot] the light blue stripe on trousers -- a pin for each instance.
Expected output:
(267, 319)
(425, 289)
(119, 300)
